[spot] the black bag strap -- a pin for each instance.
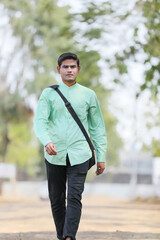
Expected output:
(74, 115)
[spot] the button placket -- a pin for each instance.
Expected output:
(69, 115)
(68, 121)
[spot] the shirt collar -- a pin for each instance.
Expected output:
(62, 84)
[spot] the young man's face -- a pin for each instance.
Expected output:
(68, 70)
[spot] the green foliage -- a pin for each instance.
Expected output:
(94, 11)
(23, 150)
(120, 64)
(45, 31)
(93, 33)
(90, 72)
(154, 148)
(13, 108)
(149, 10)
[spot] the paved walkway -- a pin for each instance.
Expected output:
(102, 218)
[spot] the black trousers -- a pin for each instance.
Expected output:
(66, 218)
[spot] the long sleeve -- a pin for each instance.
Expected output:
(97, 129)
(41, 120)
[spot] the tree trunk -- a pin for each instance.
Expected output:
(5, 142)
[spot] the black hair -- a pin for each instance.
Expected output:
(65, 56)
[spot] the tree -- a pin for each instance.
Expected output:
(144, 50)
(12, 109)
(23, 149)
(42, 35)
(153, 148)
(153, 123)
(146, 42)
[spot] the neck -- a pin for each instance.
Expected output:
(69, 83)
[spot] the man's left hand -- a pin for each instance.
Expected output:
(100, 168)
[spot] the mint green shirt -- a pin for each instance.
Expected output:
(53, 123)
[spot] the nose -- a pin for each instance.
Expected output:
(69, 69)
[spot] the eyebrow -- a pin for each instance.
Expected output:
(69, 65)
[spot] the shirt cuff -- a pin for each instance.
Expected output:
(45, 140)
(101, 157)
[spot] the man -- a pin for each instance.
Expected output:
(67, 152)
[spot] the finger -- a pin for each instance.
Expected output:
(49, 151)
(52, 148)
(53, 152)
(98, 171)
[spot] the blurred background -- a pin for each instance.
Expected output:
(118, 43)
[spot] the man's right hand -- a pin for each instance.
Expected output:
(50, 149)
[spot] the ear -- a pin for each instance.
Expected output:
(58, 69)
(79, 68)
